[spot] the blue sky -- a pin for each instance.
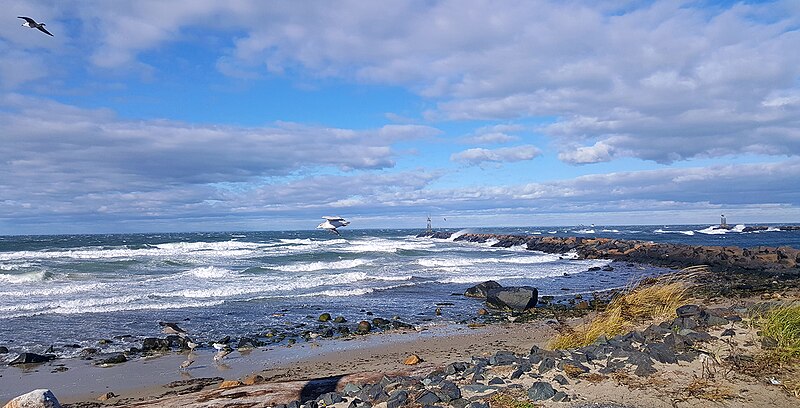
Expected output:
(253, 115)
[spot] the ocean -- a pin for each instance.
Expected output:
(72, 291)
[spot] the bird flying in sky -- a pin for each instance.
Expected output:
(31, 23)
(331, 223)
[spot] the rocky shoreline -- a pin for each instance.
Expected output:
(779, 261)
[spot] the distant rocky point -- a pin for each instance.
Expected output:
(760, 259)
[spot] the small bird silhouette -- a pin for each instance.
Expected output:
(31, 23)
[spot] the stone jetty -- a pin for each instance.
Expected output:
(762, 259)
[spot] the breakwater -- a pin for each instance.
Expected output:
(762, 259)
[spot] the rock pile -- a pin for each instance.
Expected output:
(718, 258)
(541, 374)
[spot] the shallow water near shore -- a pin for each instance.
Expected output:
(72, 292)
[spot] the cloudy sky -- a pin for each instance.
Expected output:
(201, 115)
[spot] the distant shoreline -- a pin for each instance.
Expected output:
(719, 258)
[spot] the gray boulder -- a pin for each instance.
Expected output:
(540, 391)
(481, 290)
(41, 398)
(513, 299)
(32, 358)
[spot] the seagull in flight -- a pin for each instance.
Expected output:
(31, 23)
(331, 223)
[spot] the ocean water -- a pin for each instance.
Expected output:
(78, 289)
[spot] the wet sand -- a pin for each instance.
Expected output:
(145, 378)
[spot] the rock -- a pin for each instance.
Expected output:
(768, 343)
(728, 333)
(230, 384)
(503, 357)
(541, 391)
(381, 322)
(561, 379)
(116, 359)
(710, 320)
(447, 391)
(560, 396)
(107, 396)
(155, 344)
(329, 398)
(340, 319)
(397, 399)
(513, 299)
(688, 311)
(481, 290)
(324, 317)
(253, 379)
(351, 389)
(31, 358)
(3, 350)
(546, 365)
(496, 381)
(364, 327)
(661, 353)
(41, 398)
(412, 360)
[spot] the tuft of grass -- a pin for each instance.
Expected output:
(645, 302)
(708, 390)
(783, 325)
(507, 401)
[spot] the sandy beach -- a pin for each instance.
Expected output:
(381, 352)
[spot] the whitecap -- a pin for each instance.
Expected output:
(317, 266)
(24, 277)
(211, 272)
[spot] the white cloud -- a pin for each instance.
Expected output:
(600, 152)
(505, 154)
(722, 76)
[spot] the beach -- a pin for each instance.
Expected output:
(314, 358)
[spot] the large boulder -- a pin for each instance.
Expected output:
(513, 299)
(41, 398)
(31, 358)
(481, 290)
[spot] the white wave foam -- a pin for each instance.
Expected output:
(172, 249)
(119, 304)
(661, 231)
(478, 278)
(458, 234)
(24, 277)
(385, 245)
(584, 231)
(16, 267)
(715, 230)
(56, 289)
(253, 285)
(340, 292)
(610, 230)
(211, 272)
(317, 266)
(461, 262)
(392, 278)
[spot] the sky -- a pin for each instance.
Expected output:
(201, 115)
